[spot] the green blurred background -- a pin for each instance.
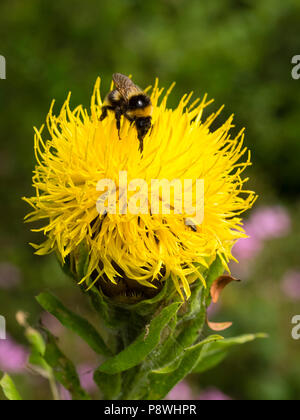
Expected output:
(239, 52)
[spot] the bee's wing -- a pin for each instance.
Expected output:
(125, 86)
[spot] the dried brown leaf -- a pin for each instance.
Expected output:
(219, 284)
(219, 326)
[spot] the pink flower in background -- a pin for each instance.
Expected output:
(213, 394)
(246, 249)
(86, 375)
(10, 276)
(265, 223)
(64, 393)
(181, 391)
(291, 285)
(13, 356)
(269, 222)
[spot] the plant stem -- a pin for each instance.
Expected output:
(53, 387)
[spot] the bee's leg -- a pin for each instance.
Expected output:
(143, 125)
(118, 114)
(140, 136)
(104, 113)
(141, 140)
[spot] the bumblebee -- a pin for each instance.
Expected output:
(129, 100)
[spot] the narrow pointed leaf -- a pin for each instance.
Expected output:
(136, 352)
(190, 325)
(170, 367)
(109, 385)
(168, 351)
(74, 323)
(214, 353)
(161, 384)
(63, 369)
(36, 340)
(38, 348)
(9, 389)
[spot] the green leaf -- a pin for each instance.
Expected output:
(161, 383)
(102, 308)
(136, 352)
(38, 348)
(81, 260)
(74, 322)
(36, 340)
(168, 352)
(215, 270)
(135, 380)
(215, 353)
(183, 331)
(109, 385)
(148, 306)
(189, 324)
(63, 369)
(169, 367)
(9, 389)
(38, 361)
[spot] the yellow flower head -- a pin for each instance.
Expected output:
(129, 250)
